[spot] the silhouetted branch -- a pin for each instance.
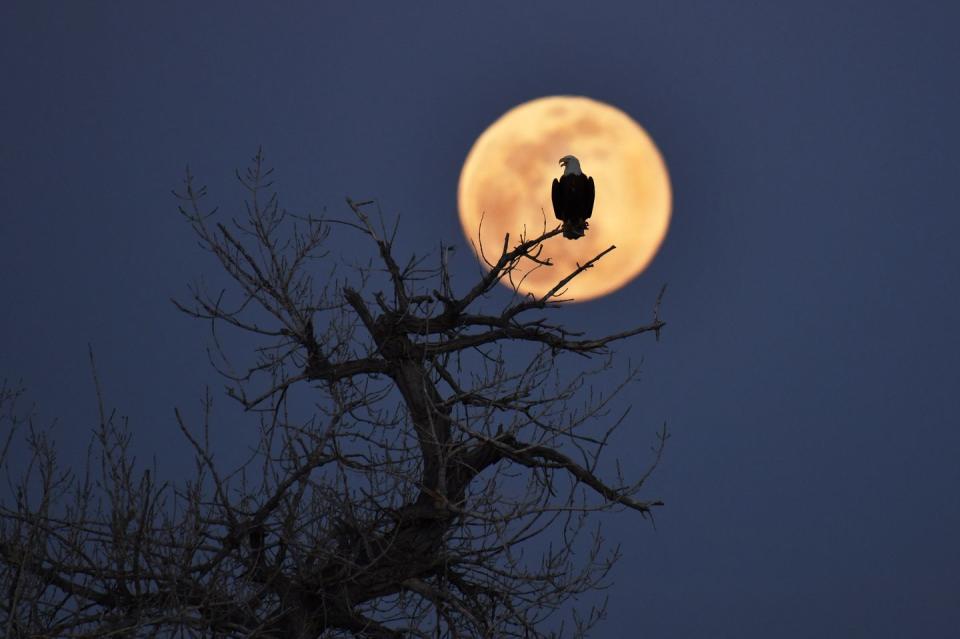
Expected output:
(412, 448)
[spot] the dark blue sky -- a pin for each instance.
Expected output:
(809, 368)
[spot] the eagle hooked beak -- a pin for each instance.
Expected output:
(563, 161)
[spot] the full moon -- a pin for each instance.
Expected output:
(506, 181)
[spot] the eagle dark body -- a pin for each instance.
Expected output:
(573, 197)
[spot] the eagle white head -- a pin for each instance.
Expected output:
(571, 165)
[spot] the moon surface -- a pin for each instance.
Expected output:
(507, 176)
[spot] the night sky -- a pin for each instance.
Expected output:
(808, 371)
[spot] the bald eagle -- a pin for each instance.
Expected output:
(573, 198)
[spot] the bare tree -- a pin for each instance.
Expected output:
(425, 467)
